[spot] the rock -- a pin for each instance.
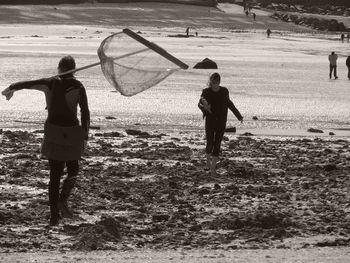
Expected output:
(109, 134)
(112, 226)
(331, 133)
(195, 228)
(217, 187)
(160, 217)
(110, 118)
(206, 64)
(314, 130)
(255, 118)
(330, 167)
(230, 129)
(136, 132)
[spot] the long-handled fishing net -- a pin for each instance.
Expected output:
(132, 64)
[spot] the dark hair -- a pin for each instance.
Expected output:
(215, 77)
(67, 63)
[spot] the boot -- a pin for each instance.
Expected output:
(67, 187)
(208, 165)
(65, 211)
(55, 216)
(214, 160)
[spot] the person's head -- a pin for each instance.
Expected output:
(214, 81)
(333, 52)
(66, 63)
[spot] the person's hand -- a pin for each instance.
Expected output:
(241, 120)
(206, 105)
(8, 93)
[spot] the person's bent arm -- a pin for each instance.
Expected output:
(234, 110)
(84, 110)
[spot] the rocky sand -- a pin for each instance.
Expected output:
(150, 190)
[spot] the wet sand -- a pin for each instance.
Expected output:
(150, 191)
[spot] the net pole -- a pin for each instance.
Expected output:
(98, 63)
(155, 48)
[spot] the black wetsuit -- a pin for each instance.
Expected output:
(215, 122)
(63, 95)
(348, 65)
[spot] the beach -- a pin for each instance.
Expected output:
(281, 192)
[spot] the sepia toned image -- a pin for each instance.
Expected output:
(175, 131)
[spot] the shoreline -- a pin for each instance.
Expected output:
(253, 132)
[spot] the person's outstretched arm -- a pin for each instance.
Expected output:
(40, 84)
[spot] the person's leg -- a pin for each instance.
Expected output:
(67, 187)
(335, 72)
(219, 134)
(209, 133)
(330, 71)
(56, 171)
(348, 72)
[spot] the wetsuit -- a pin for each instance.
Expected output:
(215, 122)
(333, 65)
(63, 95)
(348, 65)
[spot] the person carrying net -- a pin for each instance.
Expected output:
(64, 138)
(130, 63)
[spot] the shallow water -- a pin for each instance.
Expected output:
(283, 81)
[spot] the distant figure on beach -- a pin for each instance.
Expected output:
(254, 16)
(64, 138)
(333, 65)
(342, 37)
(214, 103)
(246, 12)
(268, 32)
(348, 37)
(348, 65)
(188, 32)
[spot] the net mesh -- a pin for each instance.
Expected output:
(130, 67)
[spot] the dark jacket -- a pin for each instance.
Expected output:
(220, 103)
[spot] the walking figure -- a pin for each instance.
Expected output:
(268, 32)
(348, 65)
(342, 37)
(333, 65)
(214, 103)
(64, 138)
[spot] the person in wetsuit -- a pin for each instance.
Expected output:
(214, 103)
(63, 95)
(333, 64)
(348, 65)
